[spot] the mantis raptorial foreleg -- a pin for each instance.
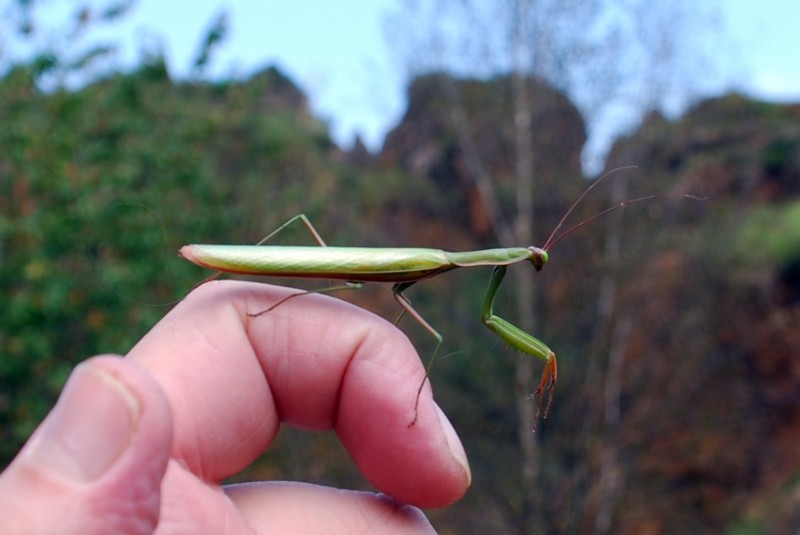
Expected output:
(519, 339)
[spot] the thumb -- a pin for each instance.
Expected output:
(96, 463)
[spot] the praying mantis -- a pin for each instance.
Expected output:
(403, 267)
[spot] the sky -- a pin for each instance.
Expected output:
(339, 53)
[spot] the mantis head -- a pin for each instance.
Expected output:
(538, 257)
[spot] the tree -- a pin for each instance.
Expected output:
(68, 50)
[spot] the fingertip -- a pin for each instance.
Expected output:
(455, 446)
(423, 464)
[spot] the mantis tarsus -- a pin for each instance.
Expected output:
(403, 267)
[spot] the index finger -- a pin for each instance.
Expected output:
(314, 362)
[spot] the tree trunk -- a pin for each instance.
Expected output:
(532, 511)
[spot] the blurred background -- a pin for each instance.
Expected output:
(128, 129)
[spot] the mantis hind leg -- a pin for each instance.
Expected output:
(306, 222)
(404, 302)
(522, 341)
(318, 238)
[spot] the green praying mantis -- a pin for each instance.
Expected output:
(403, 267)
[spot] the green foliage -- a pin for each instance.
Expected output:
(99, 189)
(214, 36)
(60, 48)
(769, 236)
(746, 527)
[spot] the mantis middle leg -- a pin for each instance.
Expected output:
(321, 242)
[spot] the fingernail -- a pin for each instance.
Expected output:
(90, 426)
(456, 448)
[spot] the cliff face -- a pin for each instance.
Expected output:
(456, 129)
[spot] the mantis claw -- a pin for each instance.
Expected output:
(547, 384)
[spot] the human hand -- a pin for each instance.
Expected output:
(142, 443)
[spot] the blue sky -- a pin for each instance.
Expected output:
(338, 51)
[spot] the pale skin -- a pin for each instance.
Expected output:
(141, 443)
